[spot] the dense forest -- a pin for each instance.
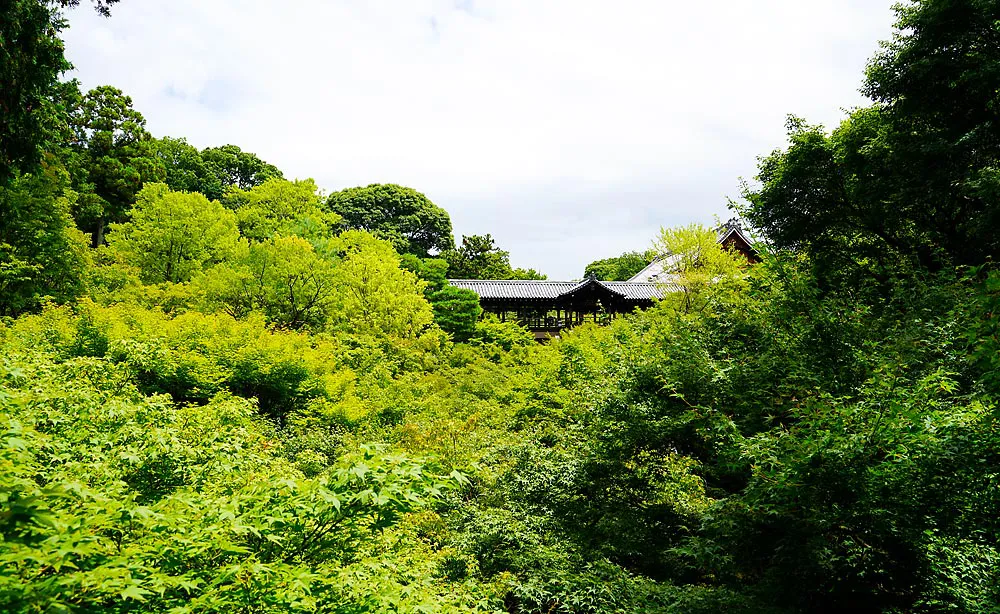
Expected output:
(225, 391)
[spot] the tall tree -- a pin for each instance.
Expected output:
(404, 217)
(456, 311)
(112, 157)
(913, 180)
(31, 61)
(376, 296)
(434, 271)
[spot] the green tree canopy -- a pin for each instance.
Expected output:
(456, 311)
(912, 180)
(42, 254)
(278, 206)
(186, 171)
(619, 268)
(698, 266)
(353, 284)
(478, 257)
(434, 271)
(375, 295)
(211, 171)
(237, 168)
(111, 158)
(283, 278)
(31, 60)
(173, 235)
(404, 217)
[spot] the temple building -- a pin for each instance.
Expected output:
(547, 307)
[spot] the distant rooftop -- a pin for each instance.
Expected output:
(731, 235)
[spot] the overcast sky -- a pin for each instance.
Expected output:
(571, 130)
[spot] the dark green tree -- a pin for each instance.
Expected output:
(456, 311)
(111, 157)
(913, 180)
(31, 61)
(186, 170)
(42, 254)
(234, 167)
(400, 215)
(432, 270)
(478, 257)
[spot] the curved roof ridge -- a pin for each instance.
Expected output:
(589, 282)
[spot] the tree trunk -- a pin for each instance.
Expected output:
(97, 239)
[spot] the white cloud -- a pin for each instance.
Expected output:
(569, 130)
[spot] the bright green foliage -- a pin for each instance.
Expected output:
(277, 206)
(195, 356)
(478, 257)
(404, 217)
(114, 502)
(355, 284)
(111, 157)
(375, 296)
(456, 311)
(506, 335)
(42, 254)
(814, 433)
(620, 268)
(236, 168)
(696, 263)
(173, 235)
(192, 357)
(283, 278)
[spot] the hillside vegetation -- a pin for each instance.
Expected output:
(225, 391)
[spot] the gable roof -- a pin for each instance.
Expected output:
(729, 234)
(657, 270)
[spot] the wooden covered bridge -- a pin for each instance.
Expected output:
(547, 307)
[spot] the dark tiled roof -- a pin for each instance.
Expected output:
(514, 288)
(639, 290)
(530, 289)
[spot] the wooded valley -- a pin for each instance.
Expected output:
(222, 390)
